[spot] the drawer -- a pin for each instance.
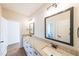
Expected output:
(32, 53)
(29, 50)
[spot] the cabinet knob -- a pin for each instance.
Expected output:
(1, 41)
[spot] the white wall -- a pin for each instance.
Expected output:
(39, 23)
(13, 32)
(42, 13)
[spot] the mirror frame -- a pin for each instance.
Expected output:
(78, 32)
(71, 25)
(31, 29)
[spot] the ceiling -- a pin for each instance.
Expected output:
(24, 8)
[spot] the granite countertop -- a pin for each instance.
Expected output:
(40, 45)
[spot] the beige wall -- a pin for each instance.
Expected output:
(39, 22)
(12, 15)
(0, 10)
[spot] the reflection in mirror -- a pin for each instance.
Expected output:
(31, 29)
(58, 27)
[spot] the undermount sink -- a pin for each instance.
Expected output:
(51, 51)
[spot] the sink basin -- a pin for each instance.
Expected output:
(51, 51)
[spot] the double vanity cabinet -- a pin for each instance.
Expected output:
(37, 47)
(29, 50)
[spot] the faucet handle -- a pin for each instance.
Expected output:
(54, 46)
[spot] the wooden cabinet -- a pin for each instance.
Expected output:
(30, 51)
(35, 46)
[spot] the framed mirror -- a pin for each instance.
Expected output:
(31, 29)
(78, 32)
(59, 27)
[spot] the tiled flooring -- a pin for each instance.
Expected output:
(15, 50)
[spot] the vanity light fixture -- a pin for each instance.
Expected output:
(52, 5)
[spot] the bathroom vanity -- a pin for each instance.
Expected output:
(38, 47)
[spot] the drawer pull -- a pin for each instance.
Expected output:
(1, 41)
(51, 55)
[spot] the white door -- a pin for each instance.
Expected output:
(3, 37)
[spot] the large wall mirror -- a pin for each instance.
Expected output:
(59, 27)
